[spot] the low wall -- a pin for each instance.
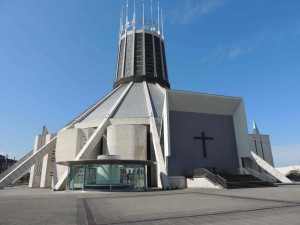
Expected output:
(177, 182)
(201, 182)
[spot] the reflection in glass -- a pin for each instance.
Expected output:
(106, 176)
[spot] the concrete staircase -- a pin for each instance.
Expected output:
(234, 181)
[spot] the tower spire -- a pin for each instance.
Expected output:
(162, 23)
(255, 128)
(126, 25)
(45, 131)
(134, 16)
(143, 14)
(121, 22)
(152, 28)
(158, 15)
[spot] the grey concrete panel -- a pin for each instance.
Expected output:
(10, 179)
(18, 172)
(202, 103)
(187, 153)
(29, 164)
(134, 104)
(157, 98)
(35, 158)
(101, 111)
(127, 141)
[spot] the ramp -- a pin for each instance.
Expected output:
(2, 175)
(21, 167)
(270, 169)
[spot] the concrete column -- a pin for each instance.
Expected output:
(68, 144)
(36, 170)
(48, 165)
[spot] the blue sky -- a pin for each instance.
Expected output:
(58, 57)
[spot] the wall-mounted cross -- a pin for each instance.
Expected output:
(203, 139)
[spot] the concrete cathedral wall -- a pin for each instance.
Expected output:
(260, 144)
(187, 153)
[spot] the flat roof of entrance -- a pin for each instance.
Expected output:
(107, 161)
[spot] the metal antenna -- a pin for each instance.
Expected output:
(143, 14)
(158, 22)
(126, 25)
(151, 15)
(134, 15)
(162, 23)
(121, 21)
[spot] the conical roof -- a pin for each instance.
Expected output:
(133, 105)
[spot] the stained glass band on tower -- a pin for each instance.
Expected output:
(141, 55)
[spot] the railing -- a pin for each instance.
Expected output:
(261, 176)
(139, 24)
(202, 172)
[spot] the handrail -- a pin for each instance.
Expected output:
(213, 177)
(261, 176)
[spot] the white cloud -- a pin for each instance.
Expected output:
(288, 155)
(229, 51)
(185, 13)
(236, 52)
(266, 37)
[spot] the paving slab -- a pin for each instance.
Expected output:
(23, 205)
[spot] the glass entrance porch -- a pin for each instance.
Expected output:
(107, 174)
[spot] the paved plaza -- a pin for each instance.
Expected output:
(22, 206)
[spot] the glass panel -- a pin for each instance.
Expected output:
(115, 176)
(75, 177)
(164, 58)
(149, 55)
(70, 178)
(138, 55)
(158, 57)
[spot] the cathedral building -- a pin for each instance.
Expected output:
(144, 134)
